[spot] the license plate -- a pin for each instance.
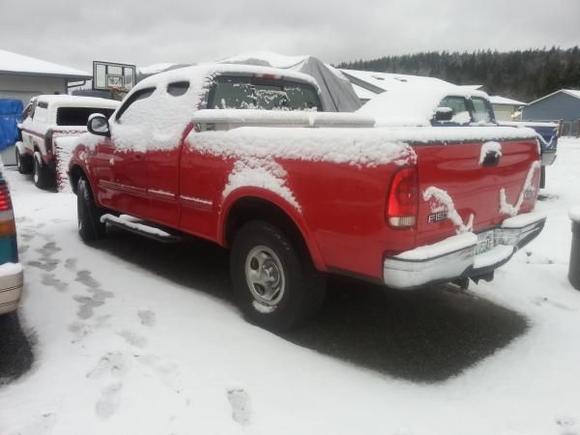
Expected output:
(486, 241)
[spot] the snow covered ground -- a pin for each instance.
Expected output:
(135, 337)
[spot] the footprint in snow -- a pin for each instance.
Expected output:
(51, 280)
(70, 264)
(48, 249)
(87, 306)
(48, 265)
(85, 277)
(133, 339)
(542, 300)
(109, 401)
(240, 403)
(112, 363)
(147, 317)
(567, 425)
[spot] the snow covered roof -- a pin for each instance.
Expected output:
(202, 71)
(79, 101)
(379, 82)
(155, 68)
(362, 93)
(572, 92)
(498, 99)
(472, 87)
(413, 105)
(20, 64)
(267, 58)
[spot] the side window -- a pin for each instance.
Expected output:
(482, 111)
(177, 88)
(41, 112)
(459, 107)
(128, 106)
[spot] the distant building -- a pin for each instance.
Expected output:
(506, 109)
(22, 77)
(562, 105)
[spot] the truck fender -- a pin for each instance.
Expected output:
(271, 198)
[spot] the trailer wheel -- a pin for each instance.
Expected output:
(88, 214)
(275, 287)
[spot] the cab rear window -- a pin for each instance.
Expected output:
(262, 94)
(78, 116)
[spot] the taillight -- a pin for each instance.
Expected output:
(403, 198)
(7, 226)
(5, 201)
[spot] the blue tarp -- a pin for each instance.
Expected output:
(10, 111)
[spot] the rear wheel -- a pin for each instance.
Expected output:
(276, 287)
(23, 162)
(88, 214)
(41, 174)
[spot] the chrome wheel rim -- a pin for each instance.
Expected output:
(265, 276)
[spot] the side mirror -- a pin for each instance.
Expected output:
(444, 114)
(98, 124)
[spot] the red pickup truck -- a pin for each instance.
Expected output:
(245, 157)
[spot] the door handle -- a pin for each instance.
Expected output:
(138, 156)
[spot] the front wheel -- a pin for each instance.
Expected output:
(275, 286)
(88, 214)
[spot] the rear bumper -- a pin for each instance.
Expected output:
(11, 282)
(456, 258)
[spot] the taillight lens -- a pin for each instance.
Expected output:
(5, 201)
(403, 198)
(7, 225)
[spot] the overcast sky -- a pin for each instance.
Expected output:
(186, 31)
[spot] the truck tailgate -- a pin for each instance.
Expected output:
(461, 185)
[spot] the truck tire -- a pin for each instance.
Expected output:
(23, 162)
(41, 174)
(88, 214)
(275, 286)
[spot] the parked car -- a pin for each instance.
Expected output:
(296, 194)
(11, 274)
(548, 133)
(421, 105)
(449, 105)
(47, 117)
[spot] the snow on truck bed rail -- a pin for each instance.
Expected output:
(236, 117)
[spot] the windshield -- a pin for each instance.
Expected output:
(250, 93)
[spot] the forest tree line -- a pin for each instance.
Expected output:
(523, 74)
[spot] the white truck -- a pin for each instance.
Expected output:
(47, 117)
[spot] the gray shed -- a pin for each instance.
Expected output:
(562, 105)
